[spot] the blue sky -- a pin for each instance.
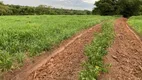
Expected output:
(68, 4)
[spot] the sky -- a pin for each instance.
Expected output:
(68, 4)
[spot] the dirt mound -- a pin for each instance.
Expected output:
(63, 64)
(125, 55)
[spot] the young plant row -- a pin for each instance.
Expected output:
(95, 52)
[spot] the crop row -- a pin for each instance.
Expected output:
(95, 52)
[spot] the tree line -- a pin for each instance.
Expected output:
(126, 8)
(6, 9)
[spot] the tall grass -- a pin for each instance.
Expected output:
(34, 34)
(136, 23)
(95, 52)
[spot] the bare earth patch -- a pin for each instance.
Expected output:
(125, 55)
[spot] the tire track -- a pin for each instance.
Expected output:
(125, 55)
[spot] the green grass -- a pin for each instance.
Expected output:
(34, 34)
(136, 23)
(95, 52)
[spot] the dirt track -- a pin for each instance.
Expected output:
(63, 64)
(125, 55)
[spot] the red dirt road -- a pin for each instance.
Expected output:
(63, 64)
(125, 55)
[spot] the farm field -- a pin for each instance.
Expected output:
(33, 34)
(71, 40)
(93, 41)
(136, 23)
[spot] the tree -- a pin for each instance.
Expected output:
(106, 7)
(39, 10)
(4, 9)
(140, 13)
(129, 7)
(126, 8)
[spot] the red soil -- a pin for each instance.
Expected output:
(125, 55)
(63, 64)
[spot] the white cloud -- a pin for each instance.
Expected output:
(23, 2)
(90, 1)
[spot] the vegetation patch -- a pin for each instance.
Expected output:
(95, 52)
(34, 34)
(136, 23)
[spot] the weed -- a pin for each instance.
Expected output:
(5, 61)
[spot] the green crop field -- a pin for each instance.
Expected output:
(34, 34)
(136, 23)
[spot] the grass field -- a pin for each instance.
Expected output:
(136, 23)
(34, 34)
